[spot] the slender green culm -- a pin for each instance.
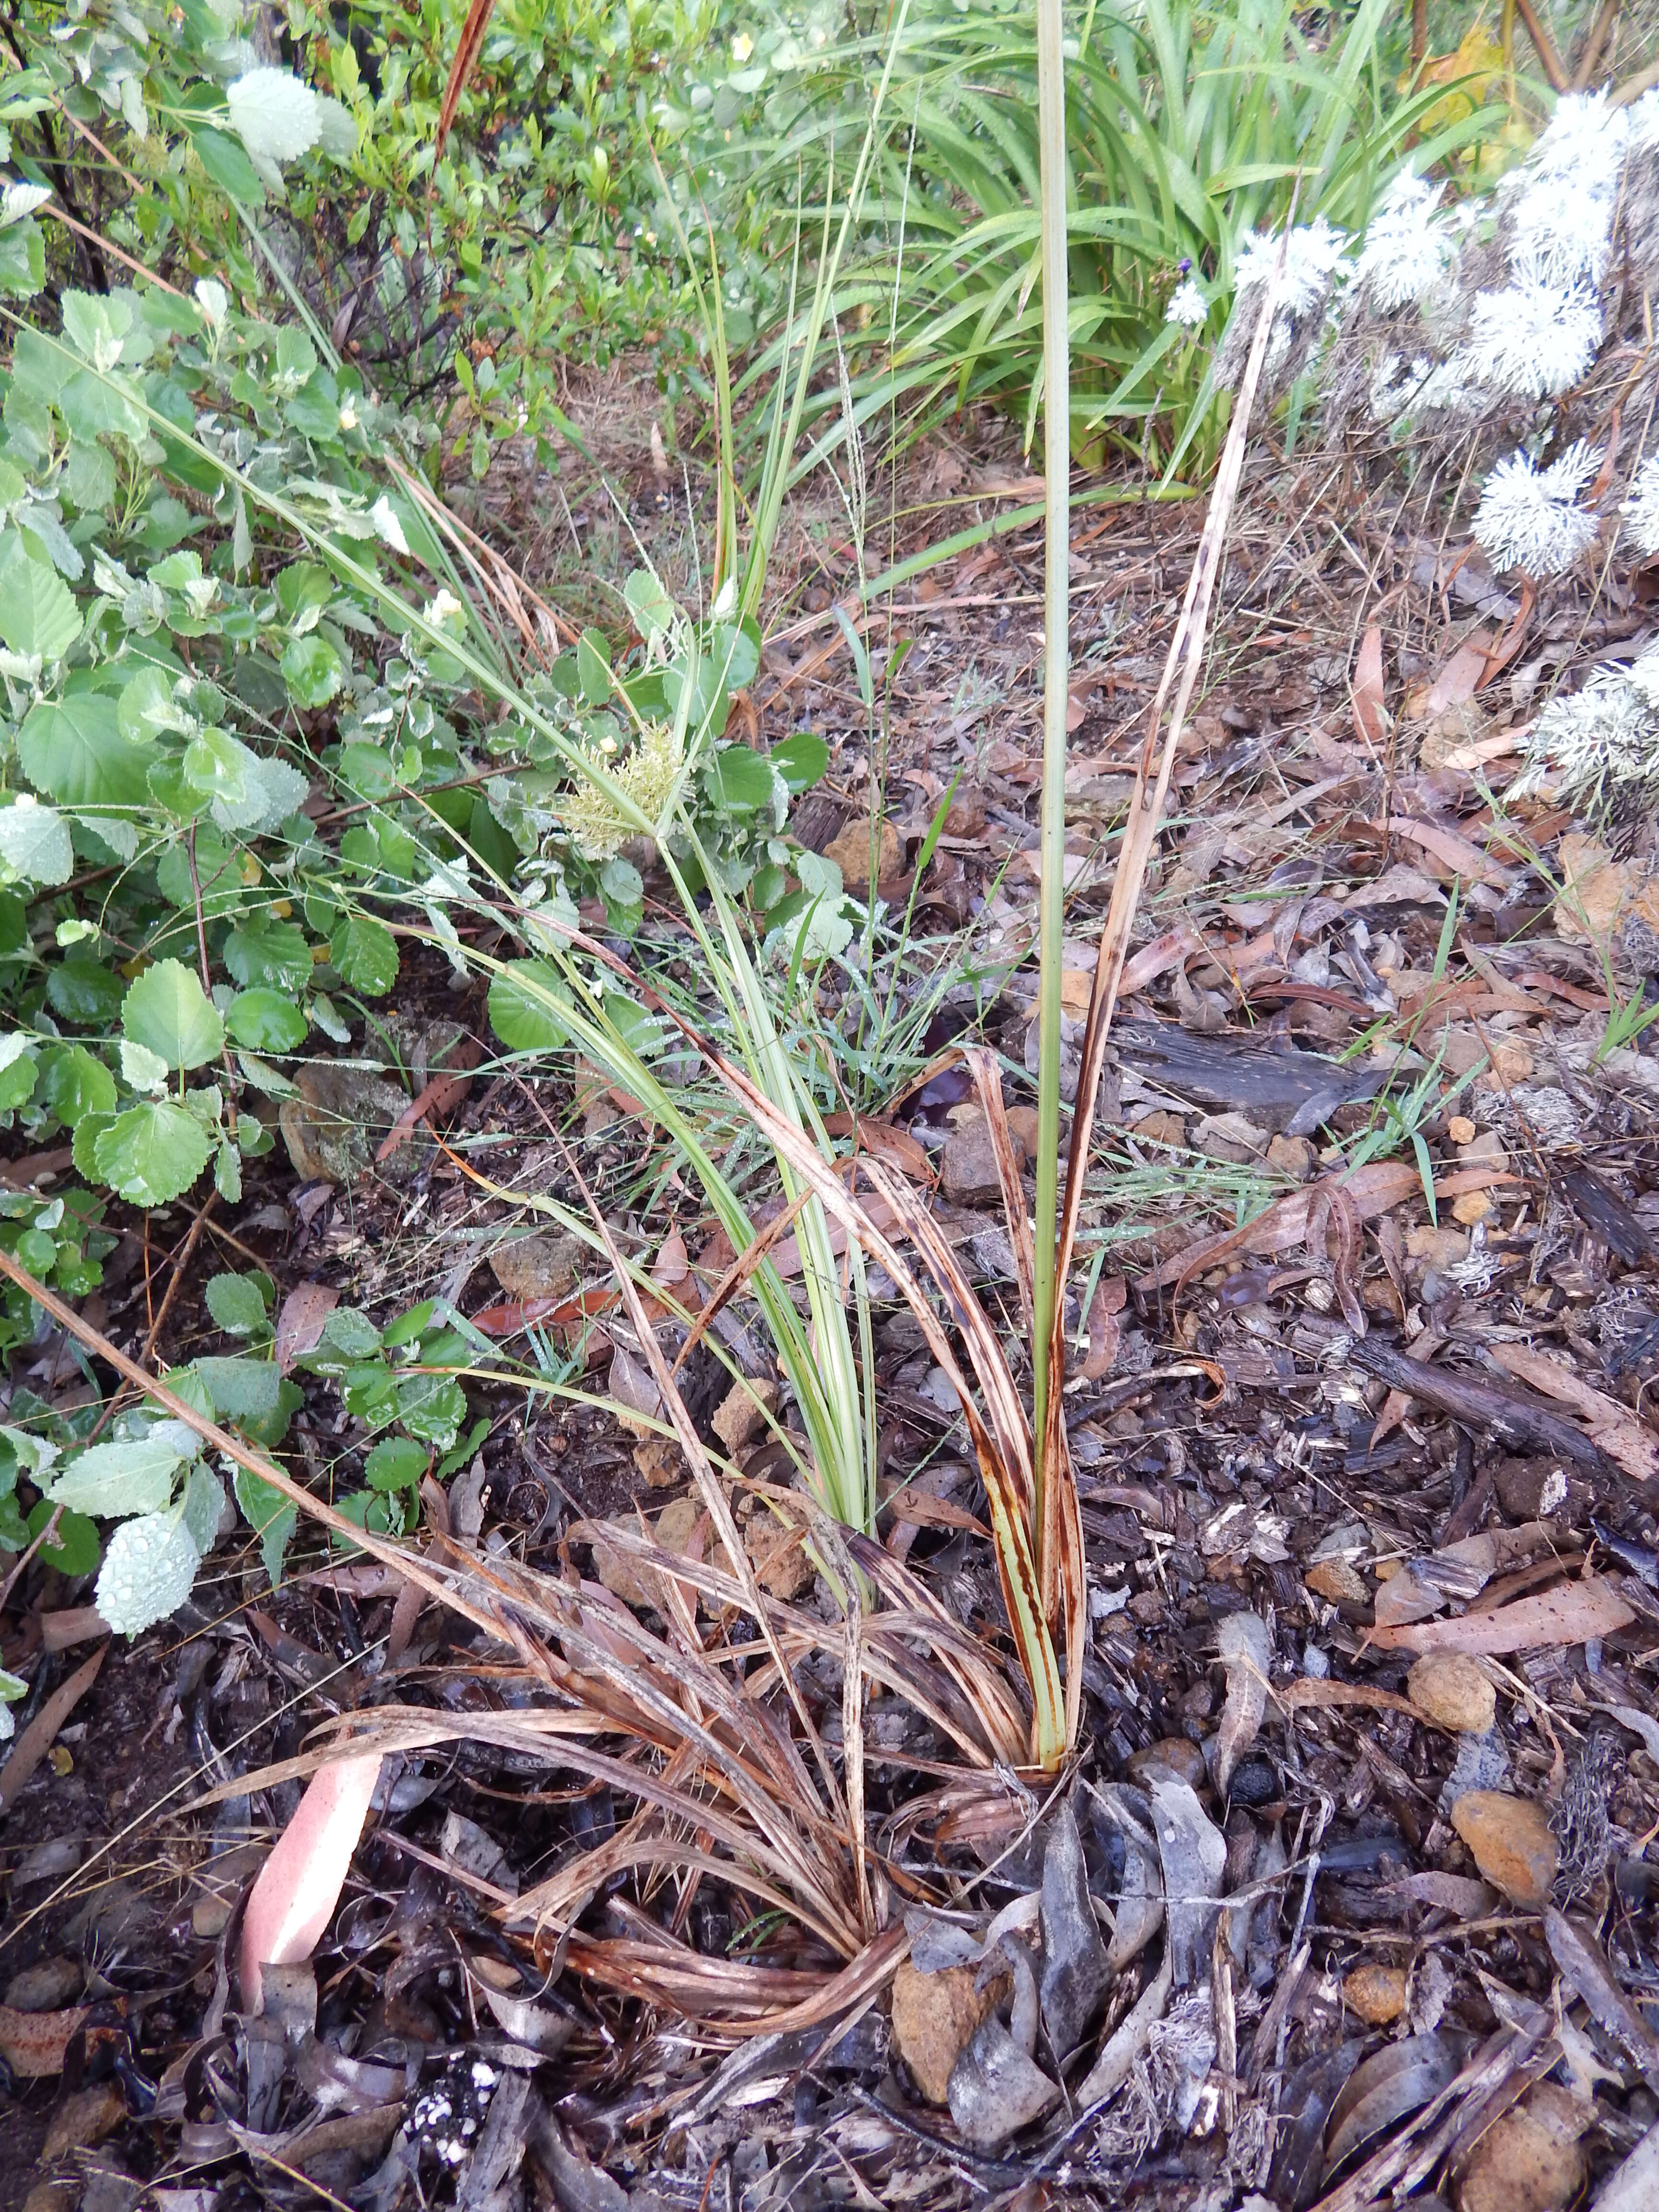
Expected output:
(1056, 446)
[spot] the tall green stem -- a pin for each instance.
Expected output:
(1056, 469)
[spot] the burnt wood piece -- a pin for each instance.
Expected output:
(1280, 1088)
(1516, 1417)
(1608, 1216)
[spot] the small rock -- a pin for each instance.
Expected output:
(1529, 2160)
(1148, 1608)
(1534, 1489)
(1254, 1782)
(1292, 1156)
(661, 1462)
(60, 2195)
(1441, 1248)
(1022, 1127)
(1338, 1582)
(1163, 1128)
(87, 2118)
(617, 1573)
(337, 1123)
(1482, 1763)
(1472, 1205)
(47, 1986)
(1511, 1063)
(970, 1169)
(1509, 1839)
(1449, 1687)
(1229, 1137)
(1172, 1759)
(965, 815)
(850, 851)
(778, 1555)
(1376, 1994)
(536, 1267)
(676, 1525)
(741, 1415)
(1461, 1130)
(933, 2016)
(1486, 1149)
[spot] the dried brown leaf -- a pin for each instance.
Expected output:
(1369, 717)
(299, 1884)
(300, 1323)
(1572, 1614)
(1626, 1441)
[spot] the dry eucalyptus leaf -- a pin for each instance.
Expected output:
(1195, 1855)
(299, 1884)
(1246, 1653)
(1572, 1614)
(1075, 1974)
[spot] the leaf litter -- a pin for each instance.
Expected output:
(668, 1858)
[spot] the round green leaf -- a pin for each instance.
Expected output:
(84, 991)
(237, 1303)
(111, 1479)
(271, 953)
(740, 781)
(311, 670)
(264, 1021)
(167, 1010)
(522, 1002)
(38, 612)
(365, 954)
(800, 759)
(151, 1153)
(396, 1463)
(73, 1081)
(75, 1549)
(35, 840)
(73, 750)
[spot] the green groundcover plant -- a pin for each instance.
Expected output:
(257, 732)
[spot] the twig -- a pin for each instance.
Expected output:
(1594, 44)
(1554, 68)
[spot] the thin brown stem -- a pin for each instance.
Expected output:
(1538, 31)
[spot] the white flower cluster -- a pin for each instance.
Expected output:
(1562, 211)
(1315, 262)
(1408, 245)
(1603, 743)
(1529, 518)
(1188, 305)
(1312, 258)
(1535, 335)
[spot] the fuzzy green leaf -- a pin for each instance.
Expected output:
(167, 1010)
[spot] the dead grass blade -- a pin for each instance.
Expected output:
(714, 1497)
(1181, 672)
(982, 1064)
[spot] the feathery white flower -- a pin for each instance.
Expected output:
(1645, 123)
(1562, 232)
(1641, 509)
(1311, 260)
(1407, 248)
(1188, 305)
(1583, 145)
(1529, 518)
(1533, 338)
(1602, 740)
